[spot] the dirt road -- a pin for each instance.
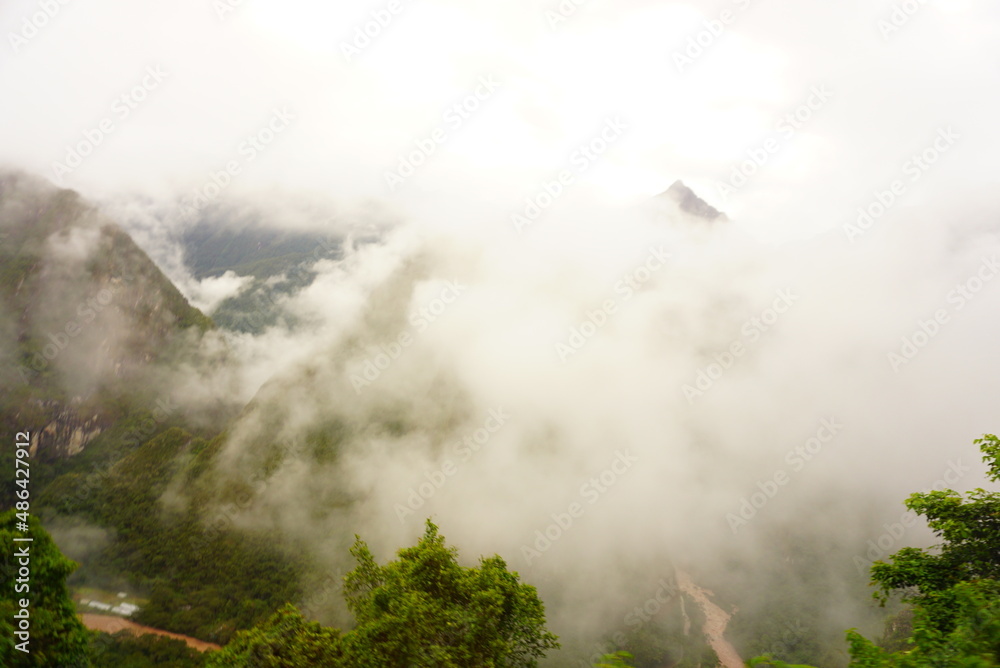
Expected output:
(112, 624)
(715, 621)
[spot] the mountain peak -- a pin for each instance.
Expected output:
(689, 202)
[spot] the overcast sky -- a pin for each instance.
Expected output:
(879, 93)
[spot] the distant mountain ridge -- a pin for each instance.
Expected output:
(212, 248)
(277, 261)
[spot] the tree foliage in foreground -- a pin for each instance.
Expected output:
(57, 636)
(205, 581)
(954, 588)
(125, 650)
(421, 610)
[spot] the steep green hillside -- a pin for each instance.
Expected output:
(200, 581)
(89, 327)
(86, 316)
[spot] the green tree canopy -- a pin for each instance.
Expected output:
(970, 529)
(286, 640)
(954, 587)
(421, 610)
(57, 636)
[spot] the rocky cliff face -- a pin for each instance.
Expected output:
(68, 432)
